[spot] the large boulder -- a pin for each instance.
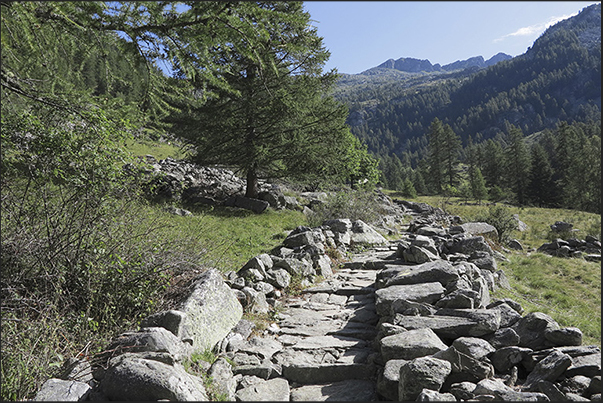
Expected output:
(247, 203)
(422, 373)
(411, 344)
(426, 292)
(131, 377)
(364, 234)
(480, 228)
(212, 310)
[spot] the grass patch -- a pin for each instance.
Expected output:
(569, 290)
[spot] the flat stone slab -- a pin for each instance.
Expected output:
(440, 270)
(324, 342)
(452, 327)
(426, 292)
(314, 366)
(351, 390)
(411, 344)
(276, 389)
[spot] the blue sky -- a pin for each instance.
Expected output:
(364, 34)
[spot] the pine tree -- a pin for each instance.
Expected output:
(477, 184)
(541, 189)
(281, 120)
(436, 155)
(517, 162)
(451, 144)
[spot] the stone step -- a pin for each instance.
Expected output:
(349, 390)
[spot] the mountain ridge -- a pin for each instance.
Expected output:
(412, 65)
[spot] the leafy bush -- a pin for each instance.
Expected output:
(79, 261)
(352, 204)
(501, 218)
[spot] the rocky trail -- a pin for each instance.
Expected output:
(325, 340)
(410, 319)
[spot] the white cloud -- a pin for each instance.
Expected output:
(535, 29)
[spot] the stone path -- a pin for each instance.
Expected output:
(326, 336)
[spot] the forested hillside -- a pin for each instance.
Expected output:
(525, 130)
(558, 78)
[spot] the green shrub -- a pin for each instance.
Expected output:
(352, 204)
(501, 218)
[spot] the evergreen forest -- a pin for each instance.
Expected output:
(551, 94)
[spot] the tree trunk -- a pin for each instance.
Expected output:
(252, 183)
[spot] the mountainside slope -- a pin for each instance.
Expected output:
(558, 78)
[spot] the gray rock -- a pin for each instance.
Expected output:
(463, 390)
(464, 367)
(469, 245)
(417, 254)
(256, 301)
(130, 377)
(422, 373)
(364, 234)
(452, 327)
(170, 320)
(223, 381)
(506, 357)
(322, 265)
(508, 315)
(480, 228)
(499, 390)
(351, 390)
(577, 384)
(405, 307)
(212, 310)
(515, 305)
(256, 205)
(151, 339)
(265, 288)
(276, 389)
(428, 395)
(263, 370)
(587, 365)
(279, 278)
(264, 348)
(483, 260)
(568, 336)
(61, 390)
(295, 267)
(411, 344)
(594, 386)
(474, 347)
(561, 226)
(532, 328)
(459, 299)
(548, 369)
(552, 392)
(387, 380)
(76, 370)
(300, 239)
(515, 245)
(438, 271)
(314, 366)
(503, 337)
(426, 292)
(342, 225)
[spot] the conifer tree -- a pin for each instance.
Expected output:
(451, 144)
(517, 159)
(281, 119)
(541, 189)
(436, 155)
